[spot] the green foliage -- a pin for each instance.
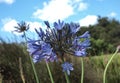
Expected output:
(94, 66)
(99, 64)
(99, 47)
(105, 35)
(9, 62)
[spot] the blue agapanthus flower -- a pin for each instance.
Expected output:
(67, 67)
(59, 41)
(41, 50)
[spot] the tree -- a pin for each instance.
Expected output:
(105, 35)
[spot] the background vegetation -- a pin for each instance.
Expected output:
(104, 40)
(105, 36)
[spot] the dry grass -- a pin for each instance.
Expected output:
(94, 66)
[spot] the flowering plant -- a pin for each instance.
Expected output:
(58, 42)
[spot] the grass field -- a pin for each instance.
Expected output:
(10, 55)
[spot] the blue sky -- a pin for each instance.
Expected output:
(34, 12)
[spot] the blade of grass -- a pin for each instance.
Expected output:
(21, 70)
(1, 77)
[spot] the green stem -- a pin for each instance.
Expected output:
(34, 70)
(82, 73)
(67, 78)
(104, 75)
(50, 74)
(1, 78)
(33, 66)
(25, 37)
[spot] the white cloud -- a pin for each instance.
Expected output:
(82, 6)
(7, 1)
(59, 9)
(112, 14)
(9, 24)
(88, 20)
(54, 10)
(78, 0)
(34, 25)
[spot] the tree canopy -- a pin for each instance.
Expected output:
(105, 35)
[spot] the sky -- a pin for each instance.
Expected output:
(35, 12)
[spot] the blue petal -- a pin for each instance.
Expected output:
(85, 35)
(47, 23)
(37, 58)
(40, 33)
(74, 27)
(86, 43)
(52, 57)
(59, 25)
(68, 72)
(80, 53)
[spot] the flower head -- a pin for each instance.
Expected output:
(22, 26)
(67, 67)
(58, 42)
(41, 51)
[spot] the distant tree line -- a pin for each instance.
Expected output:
(105, 36)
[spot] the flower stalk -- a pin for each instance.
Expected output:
(104, 75)
(34, 70)
(82, 69)
(21, 28)
(66, 77)
(49, 71)
(31, 61)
